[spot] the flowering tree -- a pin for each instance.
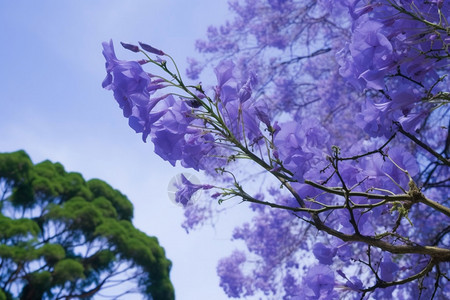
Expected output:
(330, 118)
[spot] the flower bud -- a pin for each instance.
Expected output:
(150, 49)
(130, 47)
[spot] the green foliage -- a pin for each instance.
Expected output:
(2, 295)
(41, 280)
(17, 229)
(106, 207)
(101, 260)
(19, 254)
(68, 270)
(60, 234)
(15, 168)
(51, 253)
(123, 207)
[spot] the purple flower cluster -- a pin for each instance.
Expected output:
(404, 64)
(393, 61)
(319, 283)
(132, 88)
(259, 236)
(300, 145)
(241, 116)
(341, 101)
(175, 132)
(233, 280)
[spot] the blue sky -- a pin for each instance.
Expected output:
(52, 106)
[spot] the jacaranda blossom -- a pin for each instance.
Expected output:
(130, 84)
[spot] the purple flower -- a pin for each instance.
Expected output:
(324, 254)
(197, 146)
(357, 12)
(110, 56)
(186, 190)
(297, 145)
(169, 132)
(412, 121)
(377, 119)
(292, 288)
(319, 283)
(344, 252)
(261, 113)
(353, 283)
(194, 69)
(178, 136)
(372, 54)
(168, 145)
(130, 84)
(238, 113)
(232, 279)
(242, 119)
(387, 268)
(404, 160)
(245, 91)
(141, 120)
(360, 220)
(150, 49)
(224, 72)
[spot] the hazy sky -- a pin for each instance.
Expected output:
(52, 106)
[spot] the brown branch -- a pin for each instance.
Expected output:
(379, 150)
(413, 196)
(423, 145)
(439, 254)
(434, 205)
(299, 58)
(384, 284)
(338, 191)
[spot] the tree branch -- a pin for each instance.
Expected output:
(423, 145)
(384, 284)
